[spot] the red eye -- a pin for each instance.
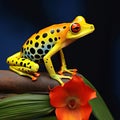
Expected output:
(75, 27)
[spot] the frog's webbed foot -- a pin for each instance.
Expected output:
(64, 69)
(59, 77)
(18, 69)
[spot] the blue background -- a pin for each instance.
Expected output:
(97, 56)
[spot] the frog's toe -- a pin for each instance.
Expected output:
(60, 72)
(34, 78)
(59, 78)
(71, 71)
(65, 77)
(37, 74)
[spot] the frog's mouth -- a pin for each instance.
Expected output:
(85, 30)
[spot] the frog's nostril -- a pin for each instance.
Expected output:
(92, 27)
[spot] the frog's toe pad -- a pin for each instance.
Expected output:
(74, 71)
(37, 74)
(60, 72)
(34, 78)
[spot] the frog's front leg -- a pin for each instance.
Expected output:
(64, 66)
(23, 66)
(49, 65)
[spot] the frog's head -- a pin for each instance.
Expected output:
(79, 28)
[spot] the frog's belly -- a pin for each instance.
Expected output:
(36, 54)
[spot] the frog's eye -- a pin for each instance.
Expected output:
(75, 27)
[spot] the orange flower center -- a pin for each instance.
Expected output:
(72, 103)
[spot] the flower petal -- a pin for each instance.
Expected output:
(58, 96)
(71, 100)
(82, 113)
(85, 111)
(77, 88)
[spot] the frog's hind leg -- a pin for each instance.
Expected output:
(23, 66)
(17, 69)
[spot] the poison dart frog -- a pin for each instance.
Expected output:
(42, 45)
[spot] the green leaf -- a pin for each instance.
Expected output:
(25, 106)
(100, 109)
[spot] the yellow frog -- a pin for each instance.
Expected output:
(43, 45)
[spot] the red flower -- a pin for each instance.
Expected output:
(71, 100)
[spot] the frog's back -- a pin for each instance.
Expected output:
(39, 44)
